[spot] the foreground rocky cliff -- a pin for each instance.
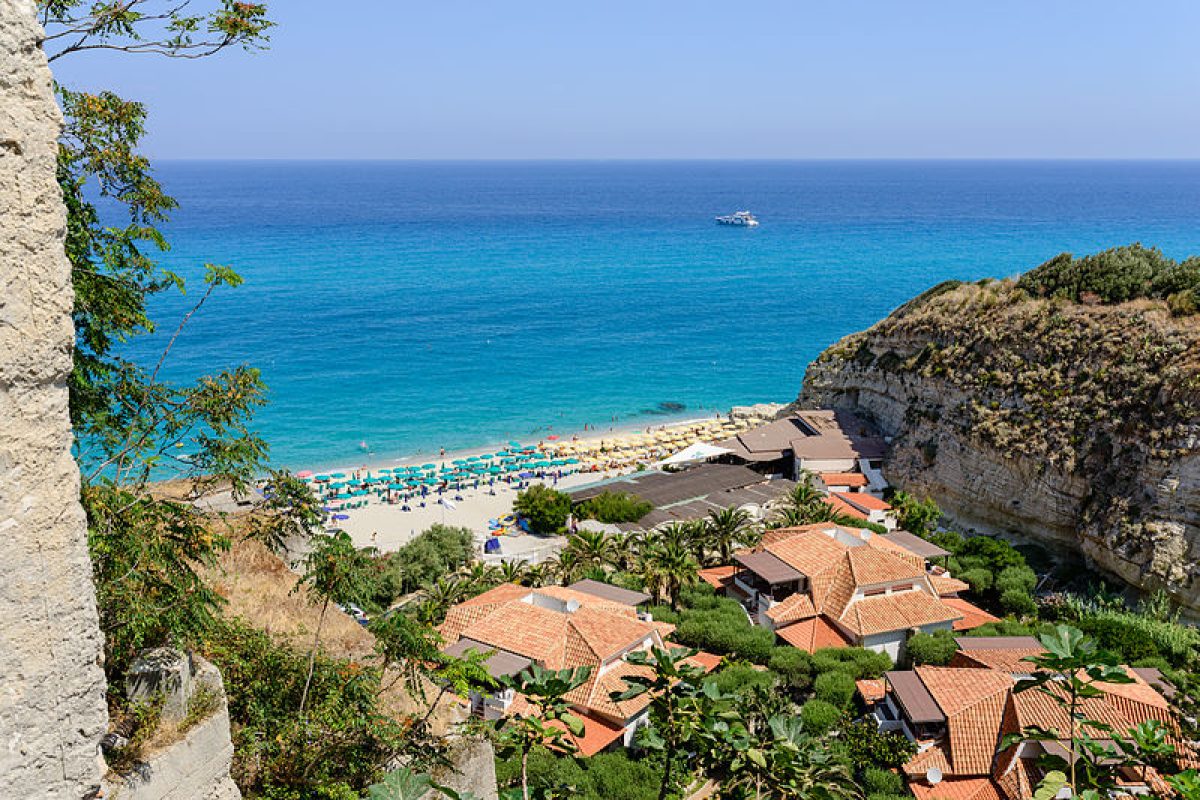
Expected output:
(1070, 422)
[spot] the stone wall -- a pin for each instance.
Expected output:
(52, 710)
(196, 767)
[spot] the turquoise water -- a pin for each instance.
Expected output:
(423, 305)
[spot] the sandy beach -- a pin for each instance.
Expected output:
(387, 526)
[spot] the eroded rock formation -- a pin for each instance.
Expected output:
(52, 711)
(1076, 424)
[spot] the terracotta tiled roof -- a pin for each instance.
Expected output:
(498, 594)
(862, 500)
(842, 507)
(597, 734)
(1122, 707)
(810, 551)
(945, 585)
(843, 478)
(870, 565)
(595, 631)
(584, 599)
(1004, 659)
(933, 757)
(970, 616)
(894, 612)
(811, 635)
(793, 608)
(973, 702)
(718, 577)
(872, 690)
(956, 789)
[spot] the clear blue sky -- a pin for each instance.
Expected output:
(658, 79)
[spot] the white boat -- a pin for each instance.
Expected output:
(743, 219)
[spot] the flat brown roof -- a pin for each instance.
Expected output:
(915, 544)
(997, 643)
(499, 664)
(916, 701)
(770, 568)
(610, 592)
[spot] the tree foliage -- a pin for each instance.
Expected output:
(546, 509)
(613, 507)
(1118, 275)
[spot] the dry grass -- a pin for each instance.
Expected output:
(260, 589)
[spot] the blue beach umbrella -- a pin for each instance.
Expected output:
(473, 458)
(321, 478)
(341, 516)
(515, 445)
(429, 466)
(486, 456)
(459, 461)
(338, 475)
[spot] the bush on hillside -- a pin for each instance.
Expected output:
(819, 717)
(613, 507)
(836, 688)
(1022, 578)
(739, 677)
(793, 666)
(858, 662)
(882, 781)
(1017, 602)
(934, 649)
(725, 634)
(604, 776)
(545, 508)
(866, 744)
(435, 552)
(1114, 276)
(980, 579)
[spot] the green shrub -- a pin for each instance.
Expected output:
(1113, 276)
(882, 781)
(604, 776)
(947, 540)
(880, 796)
(725, 634)
(836, 688)
(613, 507)
(435, 552)
(819, 717)
(996, 553)
(866, 744)
(935, 649)
(545, 508)
(979, 578)
(1018, 602)
(793, 666)
(858, 662)
(1022, 578)
(739, 677)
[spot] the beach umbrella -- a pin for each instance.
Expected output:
(429, 466)
(338, 475)
(473, 458)
(571, 461)
(304, 473)
(459, 461)
(341, 516)
(494, 470)
(321, 478)
(515, 445)
(396, 487)
(337, 486)
(486, 456)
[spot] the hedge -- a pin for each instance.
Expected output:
(819, 717)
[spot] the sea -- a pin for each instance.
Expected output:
(396, 308)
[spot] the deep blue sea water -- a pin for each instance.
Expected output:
(423, 305)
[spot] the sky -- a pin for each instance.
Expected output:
(451, 79)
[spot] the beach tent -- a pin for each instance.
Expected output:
(696, 452)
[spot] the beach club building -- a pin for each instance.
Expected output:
(586, 624)
(824, 585)
(959, 715)
(826, 442)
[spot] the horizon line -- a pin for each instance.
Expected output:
(696, 159)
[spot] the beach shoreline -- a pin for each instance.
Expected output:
(373, 461)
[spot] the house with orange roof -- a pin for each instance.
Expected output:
(825, 585)
(959, 715)
(560, 627)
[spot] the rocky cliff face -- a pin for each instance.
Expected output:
(1077, 424)
(52, 710)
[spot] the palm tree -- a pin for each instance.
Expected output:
(592, 549)
(667, 567)
(513, 571)
(804, 493)
(620, 547)
(728, 527)
(564, 566)
(443, 594)
(536, 575)
(480, 575)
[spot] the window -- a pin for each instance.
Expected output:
(873, 592)
(902, 587)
